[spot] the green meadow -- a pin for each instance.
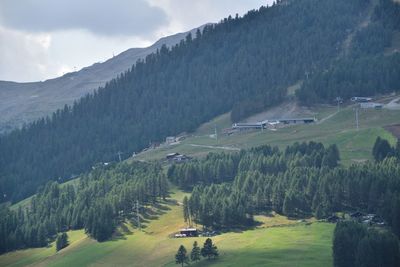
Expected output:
(276, 241)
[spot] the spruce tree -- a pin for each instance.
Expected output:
(209, 250)
(195, 254)
(61, 241)
(186, 215)
(181, 257)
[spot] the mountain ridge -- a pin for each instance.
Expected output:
(22, 103)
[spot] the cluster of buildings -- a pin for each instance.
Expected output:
(268, 124)
(193, 232)
(366, 102)
(368, 219)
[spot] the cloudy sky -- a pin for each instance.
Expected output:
(42, 39)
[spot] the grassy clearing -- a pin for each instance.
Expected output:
(277, 241)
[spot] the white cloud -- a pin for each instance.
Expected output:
(23, 56)
(42, 39)
(102, 17)
(184, 15)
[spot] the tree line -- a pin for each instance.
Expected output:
(100, 200)
(243, 64)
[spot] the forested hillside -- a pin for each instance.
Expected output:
(100, 201)
(301, 181)
(366, 70)
(241, 64)
(304, 180)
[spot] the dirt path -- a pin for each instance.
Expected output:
(394, 104)
(327, 118)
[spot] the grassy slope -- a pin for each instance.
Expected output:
(338, 129)
(291, 245)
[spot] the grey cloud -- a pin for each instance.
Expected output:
(102, 17)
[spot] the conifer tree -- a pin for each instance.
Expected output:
(61, 241)
(181, 257)
(195, 254)
(209, 250)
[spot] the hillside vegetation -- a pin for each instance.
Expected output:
(241, 64)
(291, 244)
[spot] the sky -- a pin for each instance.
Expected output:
(43, 39)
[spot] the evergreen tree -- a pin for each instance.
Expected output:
(381, 149)
(209, 250)
(378, 249)
(186, 211)
(195, 254)
(346, 238)
(61, 241)
(181, 257)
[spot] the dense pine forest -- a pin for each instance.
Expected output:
(366, 70)
(356, 245)
(304, 180)
(243, 64)
(102, 198)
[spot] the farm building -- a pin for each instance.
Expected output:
(176, 157)
(189, 232)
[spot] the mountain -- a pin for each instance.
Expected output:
(242, 64)
(22, 103)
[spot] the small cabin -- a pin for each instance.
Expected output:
(171, 156)
(357, 215)
(189, 232)
(333, 219)
(170, 140)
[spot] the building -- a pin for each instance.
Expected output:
(170, 139)
(272, 123)
(176, 157)
(361, 99)
(370, 105)
(171, 156)
(333, 219)
(189, 232)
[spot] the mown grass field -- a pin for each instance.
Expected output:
(277, 241)
(333, 128)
